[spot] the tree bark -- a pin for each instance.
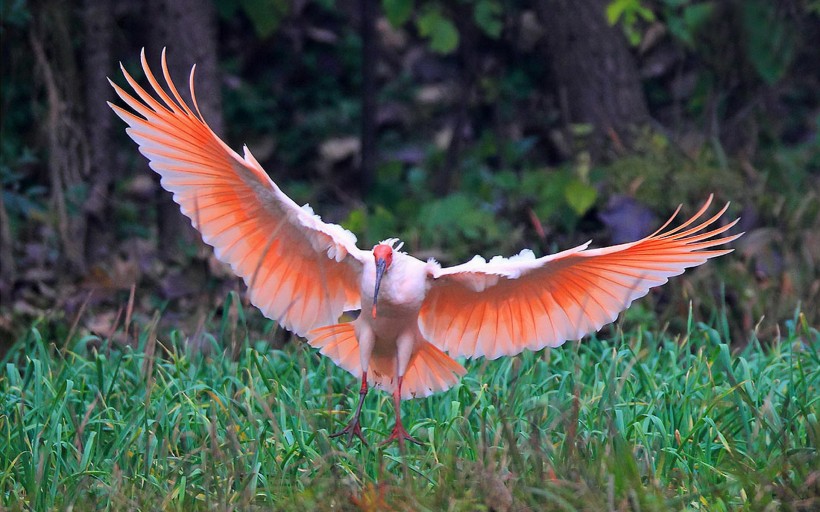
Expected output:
(188, 29)
(369, 57)
(8, 268)
(98, 20)
(57, 75)
(596, 75)
(448, 176)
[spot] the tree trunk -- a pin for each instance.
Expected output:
(367, 173)
(57, 75)
(8, 269)
(596, 75)
(447, 177)
(188, 29)
(98, 19)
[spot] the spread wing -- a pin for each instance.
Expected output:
(504, 306)
(300, 271)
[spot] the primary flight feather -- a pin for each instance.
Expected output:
(304, 273)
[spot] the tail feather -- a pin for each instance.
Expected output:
(430, 370)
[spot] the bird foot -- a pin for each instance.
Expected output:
(400, 434)
(354, 428)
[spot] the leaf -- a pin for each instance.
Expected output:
(379, 222)
(770, 41)
(454, 215)
(265, 15)
(685, 26)
(627, 12)
(487, 15)
(580, 196)
(547, 188)
(678, 29)
(397, 11)
(616, 8)
(582, 129)
(356, 221)
(695, 16)
(441, 32)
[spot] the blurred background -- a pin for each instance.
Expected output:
(464, 127)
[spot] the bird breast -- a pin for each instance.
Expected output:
(403, 286)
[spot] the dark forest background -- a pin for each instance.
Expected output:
(464, 127)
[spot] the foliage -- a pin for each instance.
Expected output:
(438, 26)
(21, 199)
(766, 35)
(265, 15)
(441, 32)
(433, 21)
(650, 420)
(398, 12)
(23, 196)
(491, 210)
(687, 19)
(14, 13)
(771, 40)
(16, 120)
(299, 119)
(628, 13)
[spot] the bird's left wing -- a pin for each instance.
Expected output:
(504, 306)
(299, 270)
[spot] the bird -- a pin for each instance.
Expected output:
(416, 317)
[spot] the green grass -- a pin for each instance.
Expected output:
(648, 421)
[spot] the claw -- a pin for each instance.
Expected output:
(400, 434)
(354, 428)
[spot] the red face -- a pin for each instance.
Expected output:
(383, 252)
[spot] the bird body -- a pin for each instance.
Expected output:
(393, 333)
(415, 315)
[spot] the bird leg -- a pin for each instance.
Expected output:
(399, 432)
(354, 428)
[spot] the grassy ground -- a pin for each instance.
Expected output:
(646, 421)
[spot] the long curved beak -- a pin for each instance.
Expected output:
(381, 265)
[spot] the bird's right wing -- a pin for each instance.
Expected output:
(300, 271)
(503, 306)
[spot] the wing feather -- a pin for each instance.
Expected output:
(277, 247)
(503, 306)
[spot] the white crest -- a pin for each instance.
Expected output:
(395, 243)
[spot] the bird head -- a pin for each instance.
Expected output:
(383, 254)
